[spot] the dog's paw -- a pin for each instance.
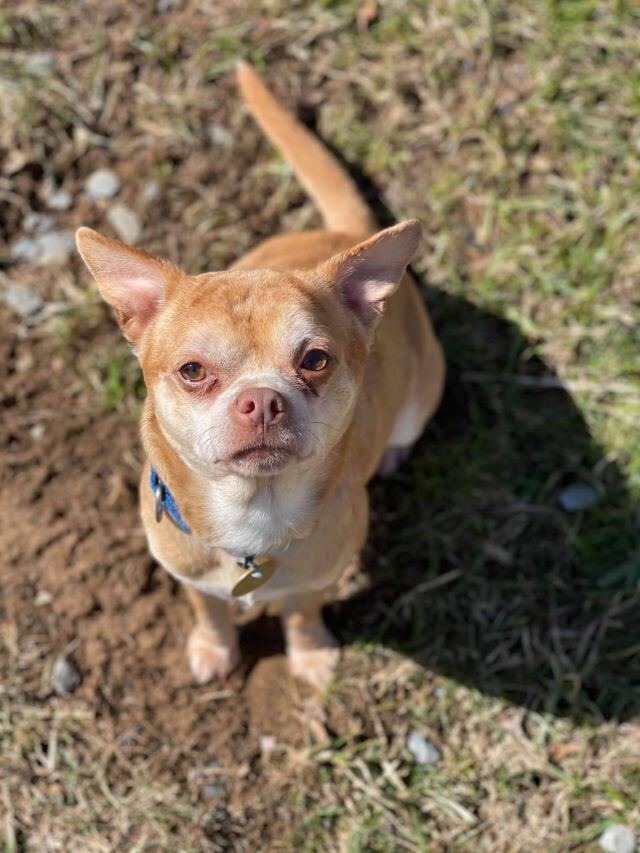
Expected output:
(314, 666)
(208, 658)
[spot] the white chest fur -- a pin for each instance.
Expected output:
(260, 516)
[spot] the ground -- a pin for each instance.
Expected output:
(487, 618)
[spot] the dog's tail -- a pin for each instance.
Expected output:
(330, 187)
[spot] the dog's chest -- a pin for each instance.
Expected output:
(261, 522)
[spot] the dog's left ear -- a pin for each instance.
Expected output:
(133, 282)
(368, 274)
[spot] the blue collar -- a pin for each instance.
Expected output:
(165, 502)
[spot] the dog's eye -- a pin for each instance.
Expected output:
(315, 360)
(193, 371)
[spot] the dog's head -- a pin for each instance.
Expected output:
(251, 371)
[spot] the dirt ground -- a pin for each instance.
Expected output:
(488, 620)
(77, 579)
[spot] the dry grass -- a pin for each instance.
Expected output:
(503, 627)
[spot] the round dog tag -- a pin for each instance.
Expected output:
(258, 573)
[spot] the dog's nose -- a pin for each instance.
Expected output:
(260, 406)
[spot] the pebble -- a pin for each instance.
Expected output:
(618, 838)
(151, 191)
(36, 223)
(39, 64)
(422, 749)
(65, 676)
(219, 135)
(167, 5)
(60, 200)
(577, 497)
(212, 792)
(24, 249)
(24, 302)
(43, 598)
(124, 222)
(103, 183)
(54, 248)
(37, 432)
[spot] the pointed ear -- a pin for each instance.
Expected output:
(369, 273)
(133, 282)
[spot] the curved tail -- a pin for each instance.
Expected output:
(329, 186)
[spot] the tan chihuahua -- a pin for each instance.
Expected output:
(276, 390)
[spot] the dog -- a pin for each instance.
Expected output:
(275, 390)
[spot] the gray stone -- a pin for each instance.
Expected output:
(220, 135)
(37, 432)
(60, 200)
(65, 676)
(24, 302)
(24, 249)
(124, 222)
(577, 497)
(36, 223)
(618, 838)
(213, 791)
(54, 248)
(422, 749)
(50, 249)
(103, 183)
(151, 191)
(39, 64)
(167, 5)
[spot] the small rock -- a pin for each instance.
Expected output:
(43, 598)
(24, 302)
(39, 64)
(54, 248)
(125, 223)
(103, 183)
(618, 838)
(577, 497)
(212, 792)
(37, 432)
(422, 749)
(24, 249)
(65, 676)
(267, 744)
(219, 135)
(167, 5)
(151, 191)
(50, 249)
(60, 200)
(36, 223)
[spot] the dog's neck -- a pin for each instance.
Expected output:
(243, 515)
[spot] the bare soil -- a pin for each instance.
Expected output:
(77, 579)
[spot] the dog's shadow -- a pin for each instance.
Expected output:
(475, 568)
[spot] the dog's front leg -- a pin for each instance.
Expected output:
(212, 647)
(311, 649)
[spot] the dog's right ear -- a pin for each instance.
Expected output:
(133, 282)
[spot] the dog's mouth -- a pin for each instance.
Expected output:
(262, 457)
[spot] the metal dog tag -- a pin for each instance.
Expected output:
(258, 571)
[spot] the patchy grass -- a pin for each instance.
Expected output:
(499, 625)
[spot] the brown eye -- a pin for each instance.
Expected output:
(193, 371)
(315, 360)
